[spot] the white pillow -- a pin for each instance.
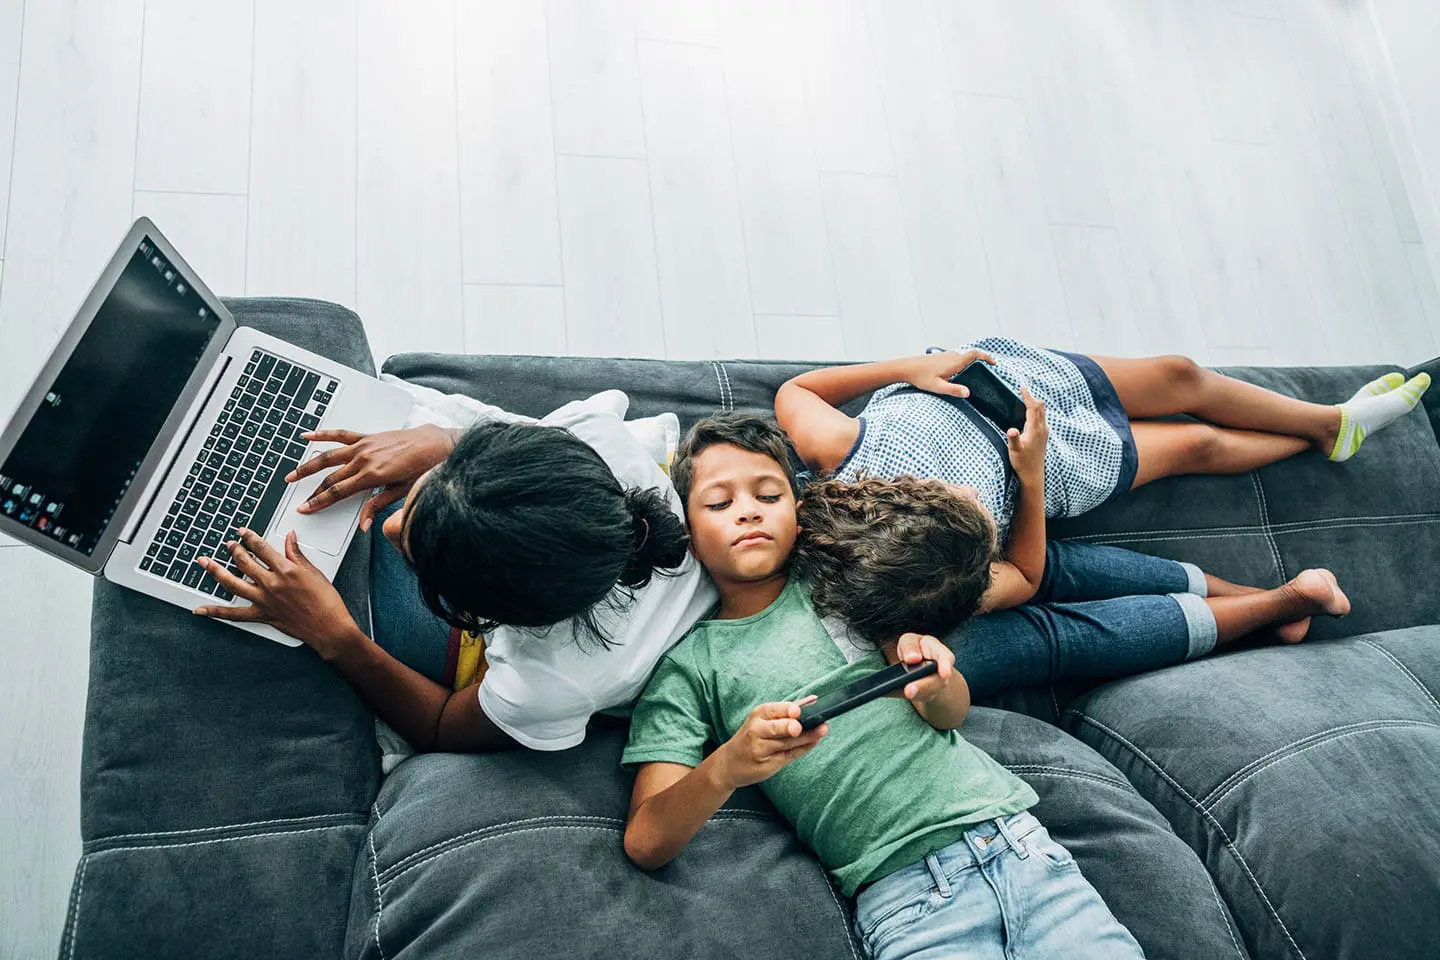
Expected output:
(659, 435)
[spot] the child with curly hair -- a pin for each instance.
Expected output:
(932, 836)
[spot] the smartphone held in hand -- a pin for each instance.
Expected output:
(862, 691)
(991, 396)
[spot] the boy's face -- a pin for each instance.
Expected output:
(741, 514)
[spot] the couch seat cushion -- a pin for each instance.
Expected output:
(1307, 779)
(520, 855)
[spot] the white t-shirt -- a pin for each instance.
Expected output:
(541, 688)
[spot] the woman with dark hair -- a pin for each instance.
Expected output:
(557, 547)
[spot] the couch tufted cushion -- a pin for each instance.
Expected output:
(520, 854)
(1306, 778)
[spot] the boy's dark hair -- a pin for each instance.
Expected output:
(526, 526)
(748, 431)
(894, 556)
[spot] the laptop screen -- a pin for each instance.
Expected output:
(81, 449)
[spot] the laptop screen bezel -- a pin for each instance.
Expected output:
(95, 562)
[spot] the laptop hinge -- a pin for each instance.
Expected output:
(147, 499)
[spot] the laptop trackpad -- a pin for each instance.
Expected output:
(324, 531)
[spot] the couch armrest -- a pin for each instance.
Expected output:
(225, 779)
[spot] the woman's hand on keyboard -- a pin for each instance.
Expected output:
(392, 460)
(286, 591)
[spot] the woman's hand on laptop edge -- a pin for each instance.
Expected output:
(286, 591)
(392, 460)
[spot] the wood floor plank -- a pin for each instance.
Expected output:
(879, 309)
(679, 21)
(1404, 335)
(42, 716)
(800, 338)
(300, 228)
(407, 180)
(12, 14)
(1343, 313)
(847, 118)
(1212, 235)
(947, 252)
(505, 318)
(1097, 290)
(207, 229)
(595, 78)
(699, 236)
(1221, 73)
(1282, 285)
(787, 249)
(195, 136)
(1029, 300)
(1060, 111)
(509, 217)
(72, 176)
(985, 57)
(1159, 276)
(1425, 284)
(607, 236)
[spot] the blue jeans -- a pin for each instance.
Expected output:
(1100, 612)
(1004, 890)
(404, 626)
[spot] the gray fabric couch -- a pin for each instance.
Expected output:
(1266, 803)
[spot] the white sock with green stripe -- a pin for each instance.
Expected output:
(1363, 415)
(1380, 385)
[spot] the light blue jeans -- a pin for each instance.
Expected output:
(1005, 890)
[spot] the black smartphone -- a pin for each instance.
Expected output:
(992, 396)
(862, 691)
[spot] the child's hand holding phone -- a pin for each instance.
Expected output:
(911, 649)
(932, 371)
(1027, 447)
(769, 739)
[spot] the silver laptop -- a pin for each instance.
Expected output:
(159, 425)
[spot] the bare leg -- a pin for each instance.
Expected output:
(1312, 593)
(1168, 449)
(1153, 387)
(1215, 587)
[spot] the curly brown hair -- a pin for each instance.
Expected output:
(894, 556)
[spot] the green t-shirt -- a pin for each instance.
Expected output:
(883, 789)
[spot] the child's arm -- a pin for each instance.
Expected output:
(807, 406)
(943, 698)
(1015, 579)
(671, 802)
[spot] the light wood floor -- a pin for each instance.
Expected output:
(686, 178)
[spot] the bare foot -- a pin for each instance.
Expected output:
(1292, 632)
(1320, 588)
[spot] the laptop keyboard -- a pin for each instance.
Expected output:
(238, 478)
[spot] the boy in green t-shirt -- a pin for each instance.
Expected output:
(928, 832)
